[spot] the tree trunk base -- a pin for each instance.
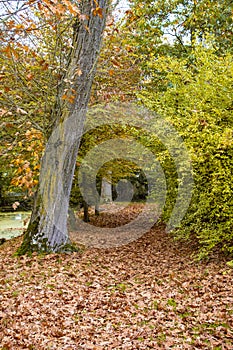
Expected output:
(41, 245)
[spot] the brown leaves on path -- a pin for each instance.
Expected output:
(146, 295)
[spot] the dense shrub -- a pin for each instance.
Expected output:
(197, 98)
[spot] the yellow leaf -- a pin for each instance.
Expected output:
(72, 8)
(78, 72)
(87, 28)
(71, 99)
(19, 26)
(26, 48)
(29, 76)
(98, 12)
(64, 97)
(115, 63)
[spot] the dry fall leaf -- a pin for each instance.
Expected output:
(149, 294)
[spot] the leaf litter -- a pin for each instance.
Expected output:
(149, 294)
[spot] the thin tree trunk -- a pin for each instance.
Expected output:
(47, 230)
(106, 191)
(86, 214)
(97, 201)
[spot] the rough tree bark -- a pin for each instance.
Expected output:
(47, 230)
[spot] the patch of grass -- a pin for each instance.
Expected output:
(159, 282)
(185, 315)
(172, 302)
(89, 283)
(161, 337)
(138, 280)
(140, 339)
(143, 323)
(15, 293)
(51, 286)
(121, 287)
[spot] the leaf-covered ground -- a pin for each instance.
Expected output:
(149, 294)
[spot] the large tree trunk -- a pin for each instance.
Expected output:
(47, 230)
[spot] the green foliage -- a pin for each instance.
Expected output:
(197, 99)
(182, 22)
(230, 264)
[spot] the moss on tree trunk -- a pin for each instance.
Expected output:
(47, 230)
